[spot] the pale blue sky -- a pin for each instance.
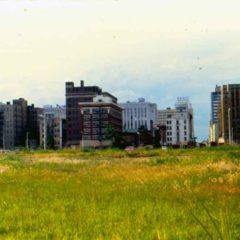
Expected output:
(133, 48)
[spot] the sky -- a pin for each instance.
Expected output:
(156, 49)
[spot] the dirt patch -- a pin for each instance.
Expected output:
(60, 160)
(3, 169)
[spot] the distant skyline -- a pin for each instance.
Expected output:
(158, 50)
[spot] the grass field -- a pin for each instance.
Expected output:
(112, 194)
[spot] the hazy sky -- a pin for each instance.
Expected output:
(133, 48)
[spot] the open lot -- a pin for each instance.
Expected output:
(112, 194)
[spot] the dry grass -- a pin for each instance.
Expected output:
(3, 169)
(117, 195)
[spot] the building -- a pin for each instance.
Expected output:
(20, 117)
(34, 116)
(19, 124)
(139, 114)
(215, 101)
(214, 121)
(179, 123)
(53, 127)
(7, 126)
(229, 114)
(96, 116)
(74, 96)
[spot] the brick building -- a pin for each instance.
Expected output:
(96, 117)
(74, 96)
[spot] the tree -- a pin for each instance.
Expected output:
(114, 136)
(144, 135)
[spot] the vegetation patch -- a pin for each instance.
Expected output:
(113, 194)
(160, 161)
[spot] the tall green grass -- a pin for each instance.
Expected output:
(112, 194)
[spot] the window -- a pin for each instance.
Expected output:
(86, 111)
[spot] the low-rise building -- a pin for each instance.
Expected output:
(139, 114)
(179, 123)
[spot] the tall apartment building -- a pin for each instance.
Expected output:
(34, 116)
(229, 113)
(179, 122)
(14, 123)
(96, 117)
(214, 121)
(74, 96)
(53, 127)
(139, 114)
(20, 115)
(7, 126)
(19, 124)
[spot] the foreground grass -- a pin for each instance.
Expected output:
(111, 194)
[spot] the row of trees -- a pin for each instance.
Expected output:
(143, 137)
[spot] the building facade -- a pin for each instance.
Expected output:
(7, 126)
(215, 102)
(229, 114)
(13, 123)
(74, 96)
(20, 115)
(96, 117)
(139, 114)
(53, 127)
(214, 121)
(179, 123)
(34, 116)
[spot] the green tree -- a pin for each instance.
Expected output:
(115, 137)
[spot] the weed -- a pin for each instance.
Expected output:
(159, 161)
(114, 194)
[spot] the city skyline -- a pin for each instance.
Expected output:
(153, 49)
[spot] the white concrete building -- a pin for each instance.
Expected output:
(137, 114)
(53, 125)
(213, 132)
(179, 122)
